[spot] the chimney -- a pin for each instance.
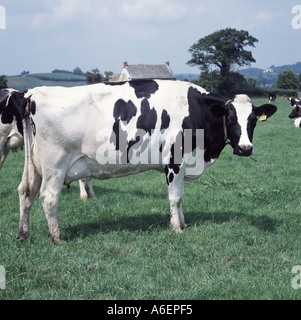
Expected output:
(125, 64)
(167, 63)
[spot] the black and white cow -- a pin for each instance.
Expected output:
(12, 139)
(272, 97)
(296, 113)
(109, 131)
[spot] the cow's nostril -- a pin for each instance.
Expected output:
(246, 150)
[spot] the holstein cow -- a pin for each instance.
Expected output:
(272, 97)
(107, 131)
(296, 103)
(12, 139)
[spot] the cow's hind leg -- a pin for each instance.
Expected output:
(49, 195)
(28, 189)
(175, 183)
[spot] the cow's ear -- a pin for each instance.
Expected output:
(265, 110)
(218, 109)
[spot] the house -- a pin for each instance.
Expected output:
(144, 72)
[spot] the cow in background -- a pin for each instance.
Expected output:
(272, 97)
(296, 113)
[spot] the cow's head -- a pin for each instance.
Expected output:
(239, 121)
(10, 137)
(296, 103)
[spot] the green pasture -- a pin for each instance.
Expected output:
(45, 79)
(242, 241)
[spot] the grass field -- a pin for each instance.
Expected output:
(49, 79)
(242, 241)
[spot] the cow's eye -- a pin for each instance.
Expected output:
(230, 122)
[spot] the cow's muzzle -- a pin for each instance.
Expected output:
(244, 150)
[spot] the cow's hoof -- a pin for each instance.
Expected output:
(23, 236)
(58, 240)
(177, 229)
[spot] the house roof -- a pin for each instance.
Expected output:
(149, 71)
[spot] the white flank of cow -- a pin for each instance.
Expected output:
(108, 131)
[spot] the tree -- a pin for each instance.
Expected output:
(108, 76)
(78, 71)
(287, 80)
(3, 82)
(223, 51)
(252, 83)
(96, 77)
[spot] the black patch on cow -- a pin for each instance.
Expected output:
(33, 107)
(295, 113)
(132, 145)
(171, 177)
(124, 110)
(146, 122)
(170, 174)
(33, 126)
(7, 116)
(201, 117)
(148, 118)
(173, 168)
(165, 120)
(144, 88)
(118, 136)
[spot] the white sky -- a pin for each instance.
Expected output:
(42, 35)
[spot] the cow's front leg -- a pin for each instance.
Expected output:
(50, 193)
(82, 190)
(86, 189)
(175, 184)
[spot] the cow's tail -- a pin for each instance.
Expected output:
(28, 139)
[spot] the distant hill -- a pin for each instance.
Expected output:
(256, 72)
(268, 76)
(45, 79)
(187, 76)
